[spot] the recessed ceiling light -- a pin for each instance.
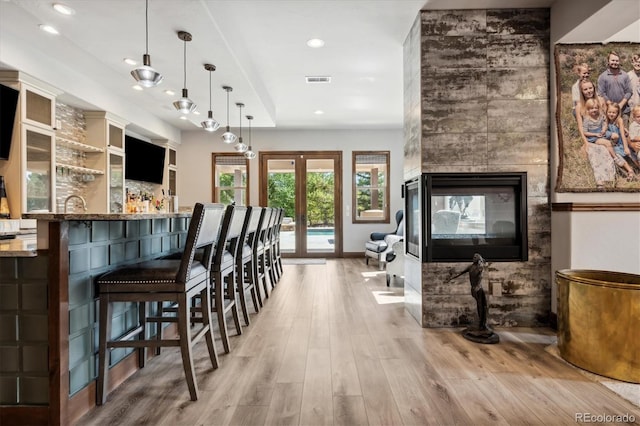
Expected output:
(315, 43)
(196, 112)
(137, 87)
(49, 29)
(318, 112)
(169, 92)
(63, 9)
(130, 61)
(317, 79)
(183, 117)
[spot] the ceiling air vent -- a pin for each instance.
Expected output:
(318, 79)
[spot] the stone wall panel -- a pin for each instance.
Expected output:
(485, 108)
(454, 52)
(455, 22)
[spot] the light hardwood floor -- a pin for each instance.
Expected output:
(333, 345)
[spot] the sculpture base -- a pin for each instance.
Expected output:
(486, 336)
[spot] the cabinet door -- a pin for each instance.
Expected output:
(116, 182)
(115, 136)
(38, 107)
(39, 185)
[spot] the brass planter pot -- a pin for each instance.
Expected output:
(599, 322)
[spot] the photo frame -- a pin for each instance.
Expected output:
(586, 164)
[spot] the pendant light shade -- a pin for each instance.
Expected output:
(145, 75)
(210, 125)
(228, 137)
(240, 147)
(249, 154)
(184, 104)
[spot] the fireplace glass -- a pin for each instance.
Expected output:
(412, 217)
(467, 213)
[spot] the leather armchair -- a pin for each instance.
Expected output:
(395, 261)
(380, 242)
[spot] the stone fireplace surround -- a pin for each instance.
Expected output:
(476, 86)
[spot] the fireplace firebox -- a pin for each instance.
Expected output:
(451, 216)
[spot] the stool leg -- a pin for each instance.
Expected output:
(185, 345)
(142, 318)
(241, 293)
(104, 335)
(252, 279)
(231, 286)
(159, 328)
(255, 278)
(219, 305)
(205, 297)
(263, 273)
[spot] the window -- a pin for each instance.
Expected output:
(370, 186)
(231, 179)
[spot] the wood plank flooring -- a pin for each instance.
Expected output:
(324, 351)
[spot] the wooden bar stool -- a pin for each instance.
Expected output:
(269, 244)
(261, 249)
(163, 280)
(245, 263)
(277, 258)
(224, 273)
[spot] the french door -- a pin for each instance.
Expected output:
(308, 186)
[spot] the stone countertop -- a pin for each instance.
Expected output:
(103, 216)
(21, 246)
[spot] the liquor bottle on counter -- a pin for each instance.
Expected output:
(4, 202)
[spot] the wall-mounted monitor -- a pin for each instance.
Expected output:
(144, 161)
(8, 107)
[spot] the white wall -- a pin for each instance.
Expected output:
(195, 172)
(606, 240)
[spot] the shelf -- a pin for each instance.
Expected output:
(78, 145)
(80, 169)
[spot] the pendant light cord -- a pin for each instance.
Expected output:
(227, 109)
(210, 91)
(146, 25)
(185, 63)
(240, 132)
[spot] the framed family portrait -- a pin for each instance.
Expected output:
(598, 117)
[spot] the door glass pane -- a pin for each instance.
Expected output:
(320, 205)
(38, 171)
(116, 183)
(281, 192)
(172, 182)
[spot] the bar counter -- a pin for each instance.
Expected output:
(48, 314)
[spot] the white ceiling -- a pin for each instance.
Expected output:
(258, 47)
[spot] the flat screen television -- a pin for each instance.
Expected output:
(144, 161)
(8, 106)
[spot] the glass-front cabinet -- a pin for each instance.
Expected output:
(106, 131)
(39, 185)
(115, 176)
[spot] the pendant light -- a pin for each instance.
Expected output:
(249, 154)
(240, 147)
(145, 75)
(184, 104)
(210, 125)
(228, 137)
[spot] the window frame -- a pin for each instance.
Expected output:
(216, 190)
(386, 218)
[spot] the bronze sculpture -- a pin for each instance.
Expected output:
(483, 333)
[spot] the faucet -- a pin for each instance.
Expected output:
(66, 200)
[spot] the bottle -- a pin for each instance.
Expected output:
(4, 202)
